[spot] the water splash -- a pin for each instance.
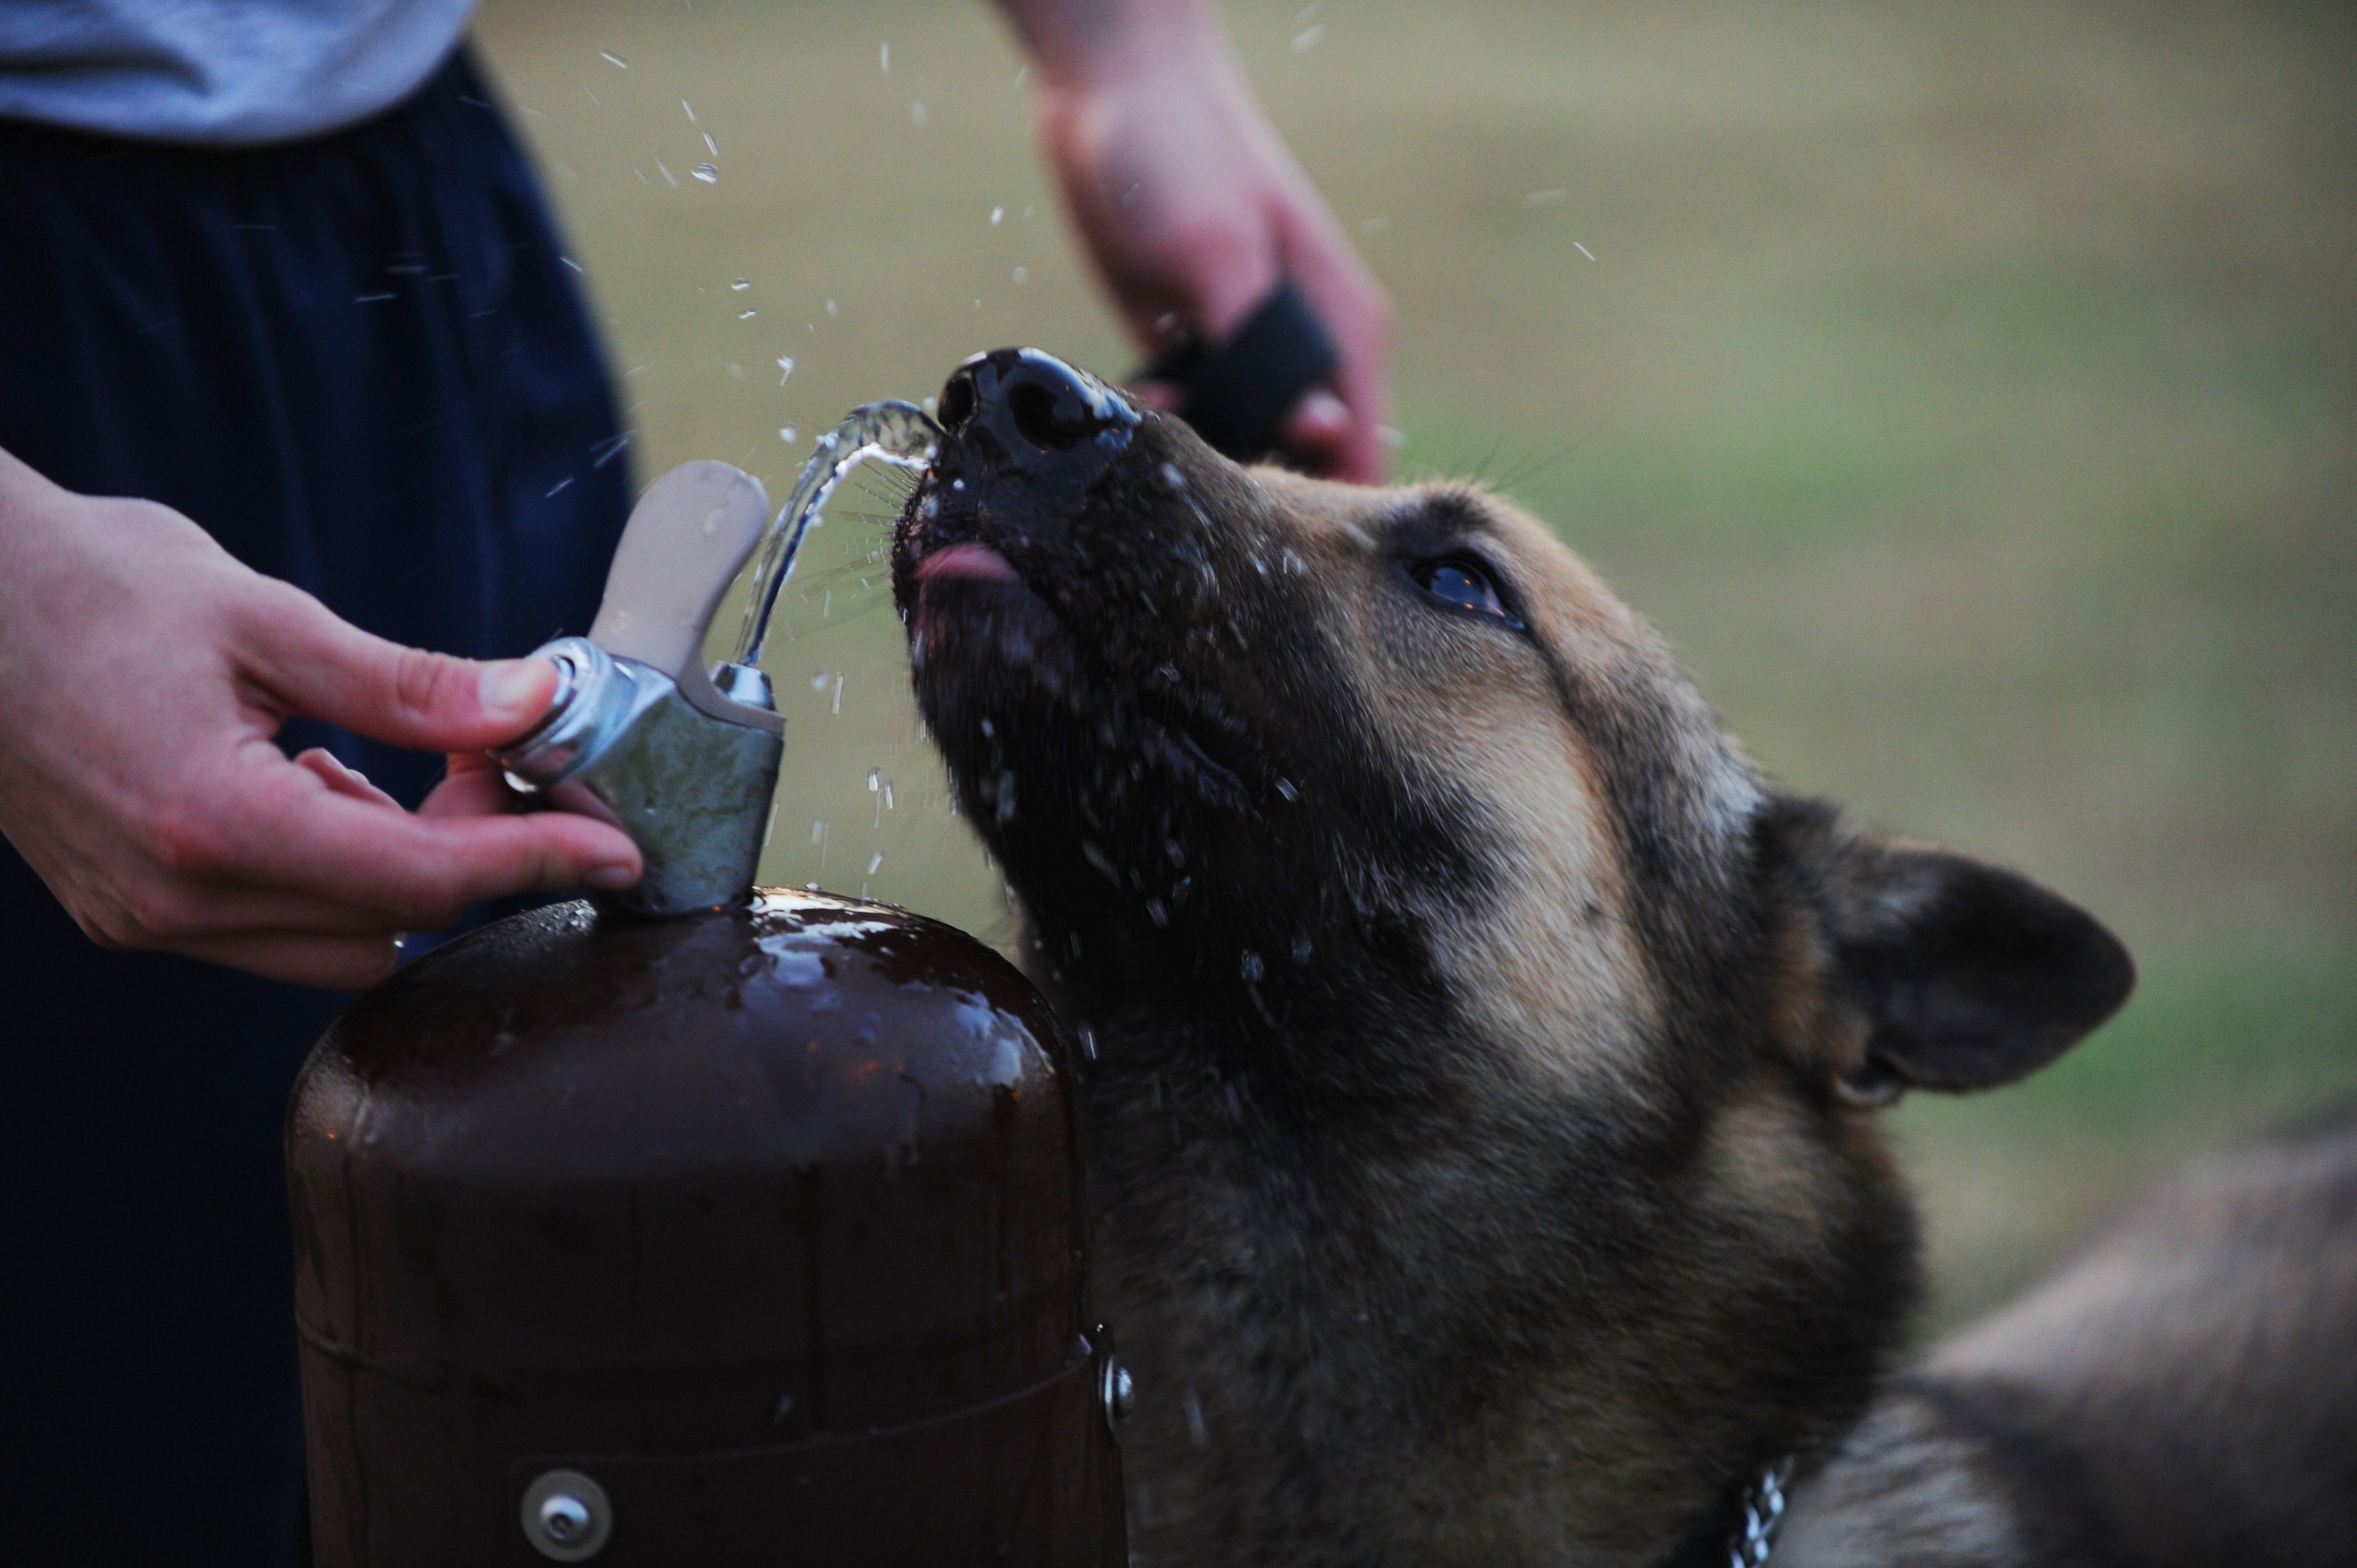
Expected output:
(895, 433)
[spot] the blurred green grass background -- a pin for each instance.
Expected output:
(1969, 390)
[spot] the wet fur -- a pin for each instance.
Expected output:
(1483, 1057)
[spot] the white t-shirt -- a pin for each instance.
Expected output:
(218, 73)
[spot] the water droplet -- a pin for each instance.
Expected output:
(888, 797)
(786, 434)
(875, 863)
(709, 176)
(1306, 39)
(785, 367)
(710, 145)
(875, 779)
(838, 693)
(818, 682)
(614, 59)
(1252, 968)
(1301, 947)
(1022, 274)
(884, 57)
(997, 216)
(1545, 197)
(664, 169)
(917, 112)
(1284, 787)
(1088, 1042)
(818, 829)
(830, 308)
(1582, 249)
(735, 371)
(1157, 912)
(740, 285)
(932, 405)
(684, 103)
(747, 314)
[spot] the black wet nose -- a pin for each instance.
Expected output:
(1021, 410)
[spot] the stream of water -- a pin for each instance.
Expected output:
(899, 433)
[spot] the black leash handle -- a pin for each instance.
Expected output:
(1236, 395)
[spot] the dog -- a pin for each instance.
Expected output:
(1481, 1061)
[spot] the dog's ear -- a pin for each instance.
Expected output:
(1955, 973)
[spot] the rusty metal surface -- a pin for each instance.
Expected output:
(696, 1207)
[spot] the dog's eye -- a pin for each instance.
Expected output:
(1462, 581)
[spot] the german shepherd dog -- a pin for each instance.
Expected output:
(1481, 1060)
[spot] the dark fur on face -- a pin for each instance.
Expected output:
(1484, 1057)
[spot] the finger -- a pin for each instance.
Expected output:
(420, 873)
(165, 913)
(1317, 431)
(1357, 313)
(467, 790)
(1159, 395)
(308, 661)
(302, 958)
(332, 771)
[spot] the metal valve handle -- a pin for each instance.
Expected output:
(640, 734)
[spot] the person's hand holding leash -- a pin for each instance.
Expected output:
(143, 673)
(1194, 210)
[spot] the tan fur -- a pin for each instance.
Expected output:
(1562, 974)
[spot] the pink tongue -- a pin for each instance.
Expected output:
(974, 562)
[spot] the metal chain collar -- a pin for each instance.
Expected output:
(1763, 1510)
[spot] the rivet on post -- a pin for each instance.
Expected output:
(566, 1516)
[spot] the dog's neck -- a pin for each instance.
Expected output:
(1305, 1224)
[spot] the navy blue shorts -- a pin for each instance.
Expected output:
(362, 364)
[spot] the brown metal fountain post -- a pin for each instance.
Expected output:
(748, 1234)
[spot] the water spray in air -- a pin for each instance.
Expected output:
(897, 434)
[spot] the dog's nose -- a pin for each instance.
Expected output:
(1024, 412)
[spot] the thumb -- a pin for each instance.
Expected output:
(315, 665)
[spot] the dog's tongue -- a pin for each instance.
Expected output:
(967, 561)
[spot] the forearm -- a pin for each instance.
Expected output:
(1084, 43)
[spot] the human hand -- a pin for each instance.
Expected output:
(1194, 210)
(143, 673)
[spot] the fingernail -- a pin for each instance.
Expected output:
(509, 688)
(612, 878)
(1324, 410)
